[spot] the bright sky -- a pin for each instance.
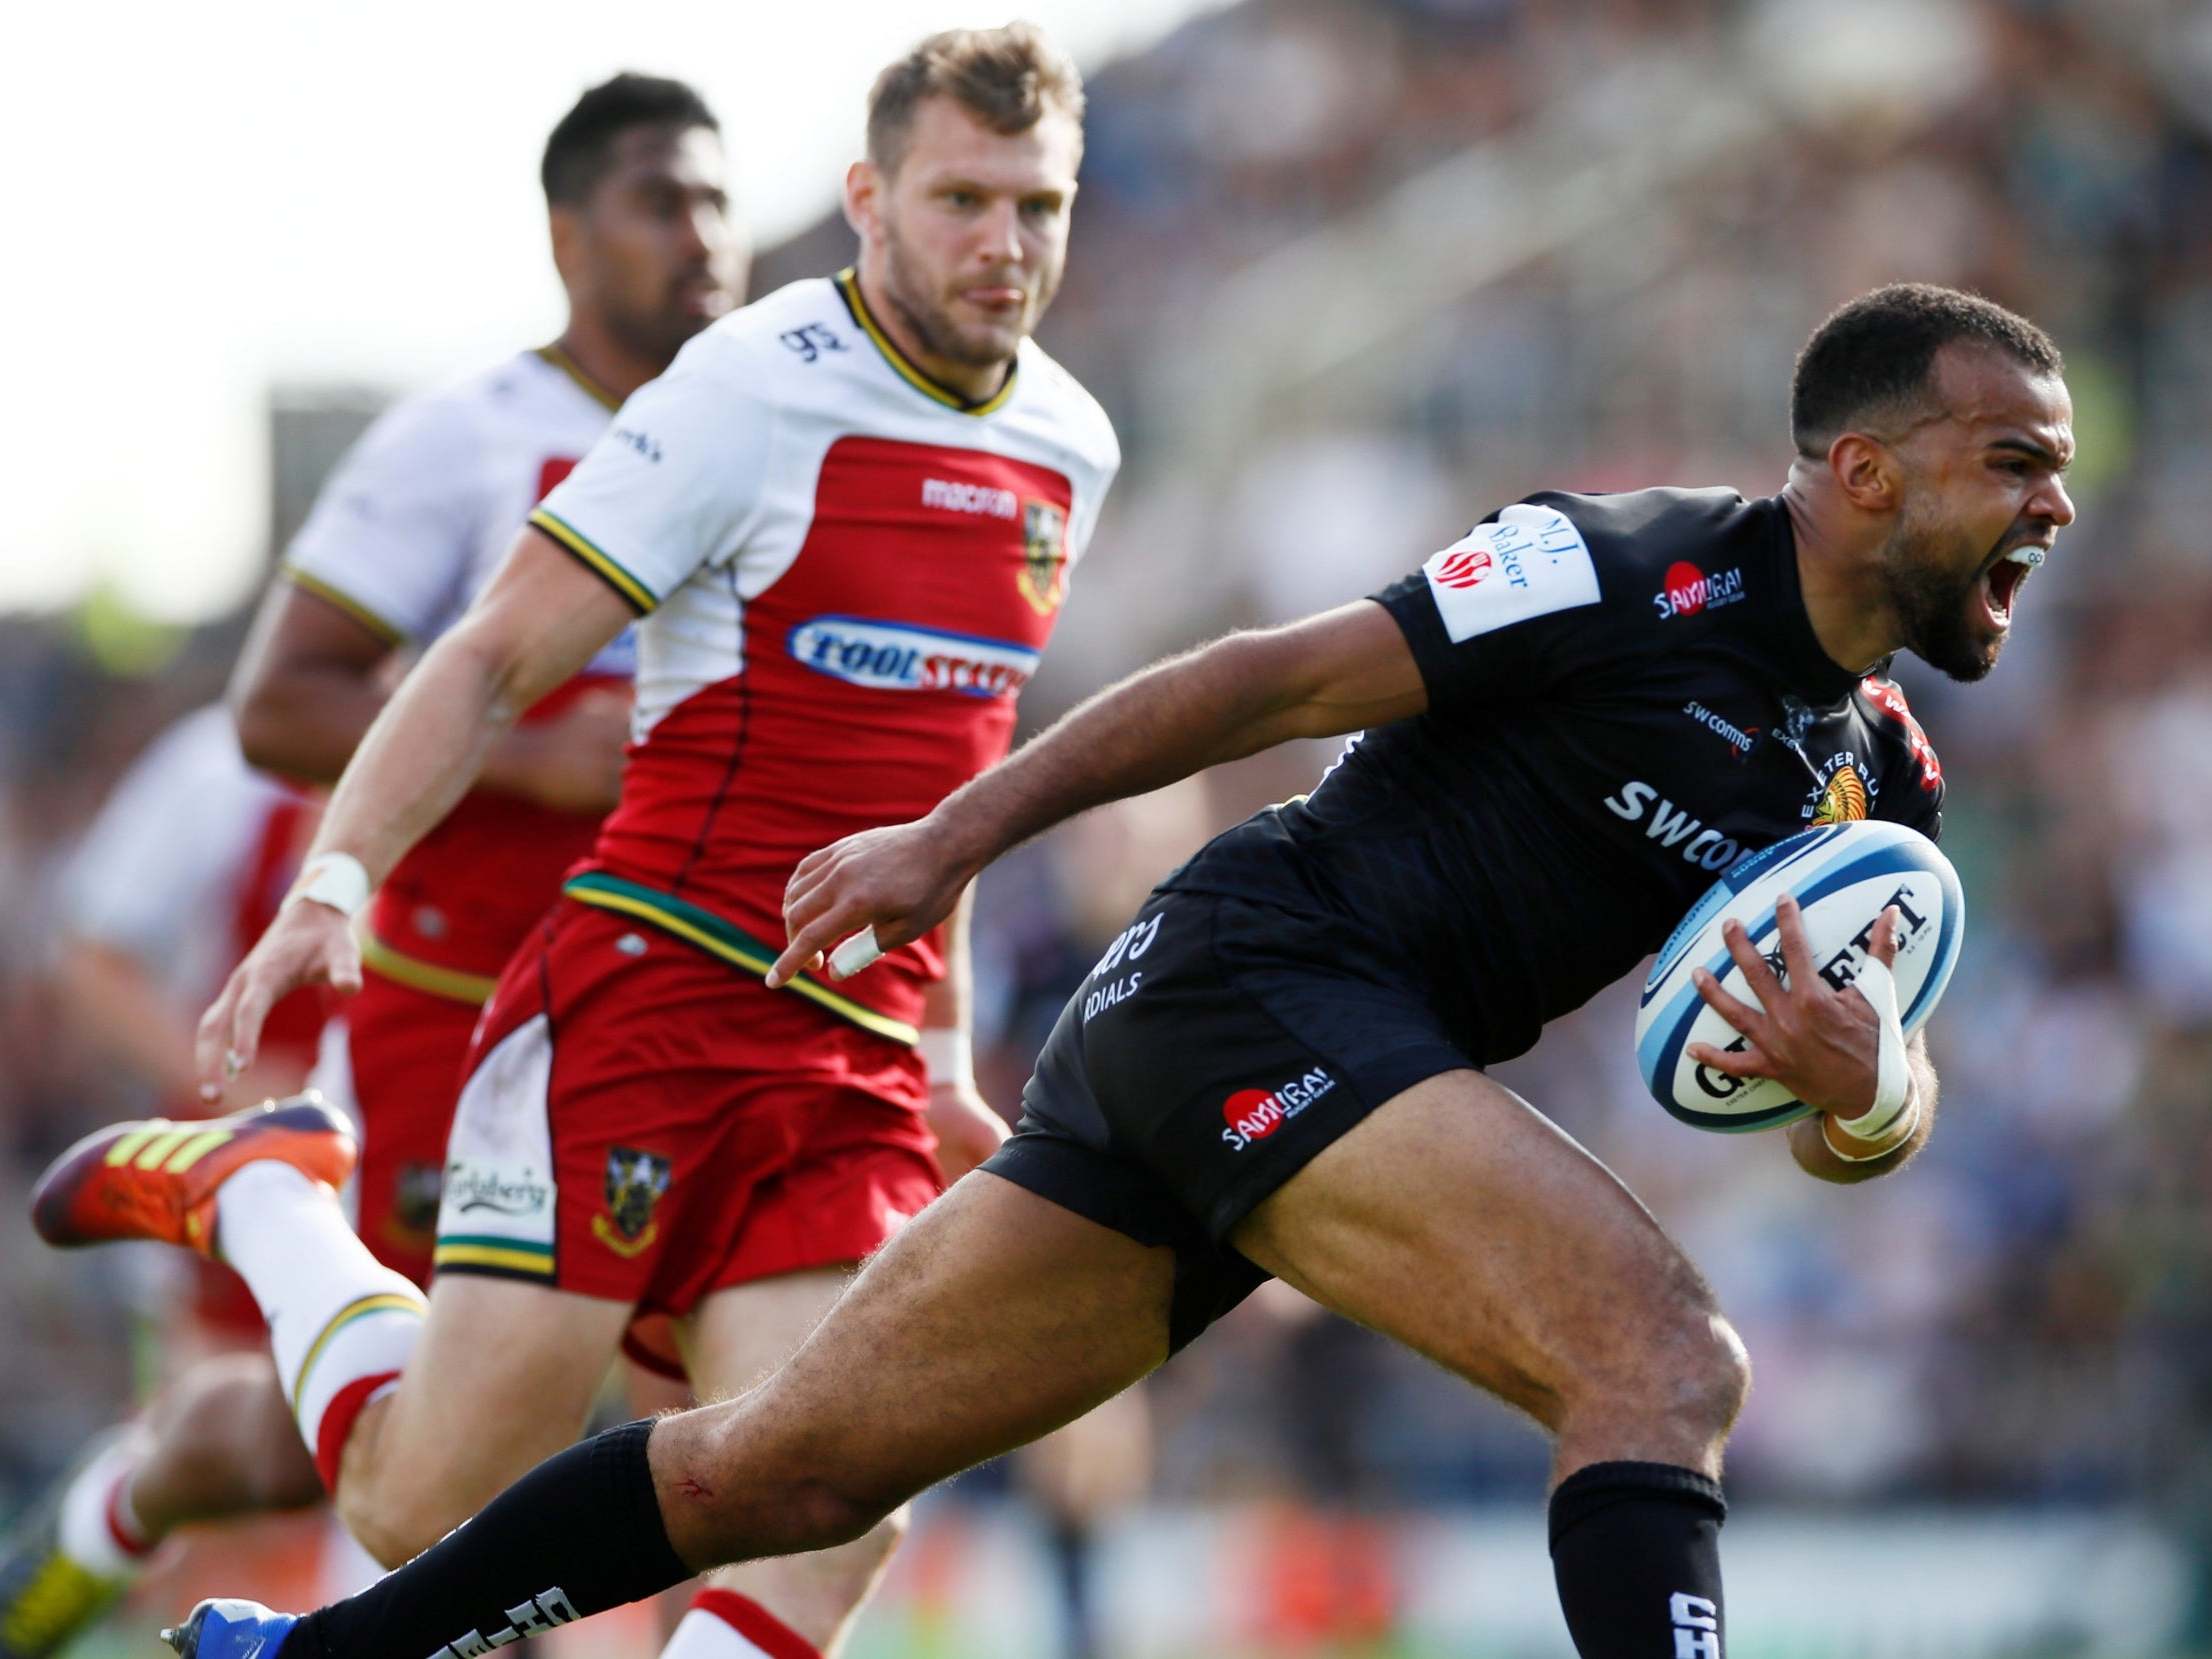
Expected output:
(201, 200)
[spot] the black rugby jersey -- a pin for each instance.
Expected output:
(1625, 696)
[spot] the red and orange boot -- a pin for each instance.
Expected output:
(155, 1179)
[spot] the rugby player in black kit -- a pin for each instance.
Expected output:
(1572, 720)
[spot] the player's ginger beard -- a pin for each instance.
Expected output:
(905, 287)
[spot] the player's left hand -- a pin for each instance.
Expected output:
(897, 880)
(967, 1130)
(1821, 1044)
(308, 943)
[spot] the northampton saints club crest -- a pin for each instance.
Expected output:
(635, 1182)
(1043, 576)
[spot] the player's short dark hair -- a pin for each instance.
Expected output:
(1007, 78)
(581, 147)
(1870, 361)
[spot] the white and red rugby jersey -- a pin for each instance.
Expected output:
(411, 524)
(847, 573)
(186, 864)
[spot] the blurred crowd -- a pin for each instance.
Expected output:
(2028, 1316)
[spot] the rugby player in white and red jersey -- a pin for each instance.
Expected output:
(846, 516)
(409, 527)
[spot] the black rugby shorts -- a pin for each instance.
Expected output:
(1211, 1054)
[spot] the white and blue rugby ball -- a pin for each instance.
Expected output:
(1844, 876)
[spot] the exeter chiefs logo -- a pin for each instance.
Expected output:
(635, 1182)
(1843, 797)
(1043, 578)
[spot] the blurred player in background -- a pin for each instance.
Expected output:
(181, 871)
(847, 517)
(1277, 1069)
(406, 531)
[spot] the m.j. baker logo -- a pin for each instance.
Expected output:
(1689, 590)
(1254, 1114)
(1528, 561)
(897, 656)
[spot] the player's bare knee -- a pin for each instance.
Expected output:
(1680, 1369)
(1711, 1376)
(395, 1520)
(830, 1512)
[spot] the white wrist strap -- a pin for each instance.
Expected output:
(1890, 1121)
(858, 952)
(948, 1055)
(338, 880)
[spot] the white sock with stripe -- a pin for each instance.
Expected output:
(722, 1624)
(96, 1526)
(341, 1323)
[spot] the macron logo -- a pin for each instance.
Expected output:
(947, 496)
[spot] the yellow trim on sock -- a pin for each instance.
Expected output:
(383, 1301)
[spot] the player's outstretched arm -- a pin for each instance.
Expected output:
(314, 676)
(307, 684)
(1341, 671)
(538, 621)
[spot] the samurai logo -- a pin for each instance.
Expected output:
(635, 1182)
(1043, 578)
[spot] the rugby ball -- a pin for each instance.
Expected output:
(1843, 876)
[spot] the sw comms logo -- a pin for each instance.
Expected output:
(1254, 1114)
(1689, 590)
(1740, 739)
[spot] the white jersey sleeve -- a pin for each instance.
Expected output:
(390, 537)
(676, 484)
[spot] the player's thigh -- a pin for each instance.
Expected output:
(738, 1336)
(1460, 1221)
(992, 1318)
(504, 1376)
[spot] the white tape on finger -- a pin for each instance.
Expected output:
(1895, 1112)
(856, 953)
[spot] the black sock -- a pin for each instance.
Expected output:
(1635, 1548)
(578, 1534)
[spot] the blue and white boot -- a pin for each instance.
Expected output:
(230, 1630)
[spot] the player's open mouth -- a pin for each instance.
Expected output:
(2002, 581)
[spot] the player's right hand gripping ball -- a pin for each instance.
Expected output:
(1844, 876)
